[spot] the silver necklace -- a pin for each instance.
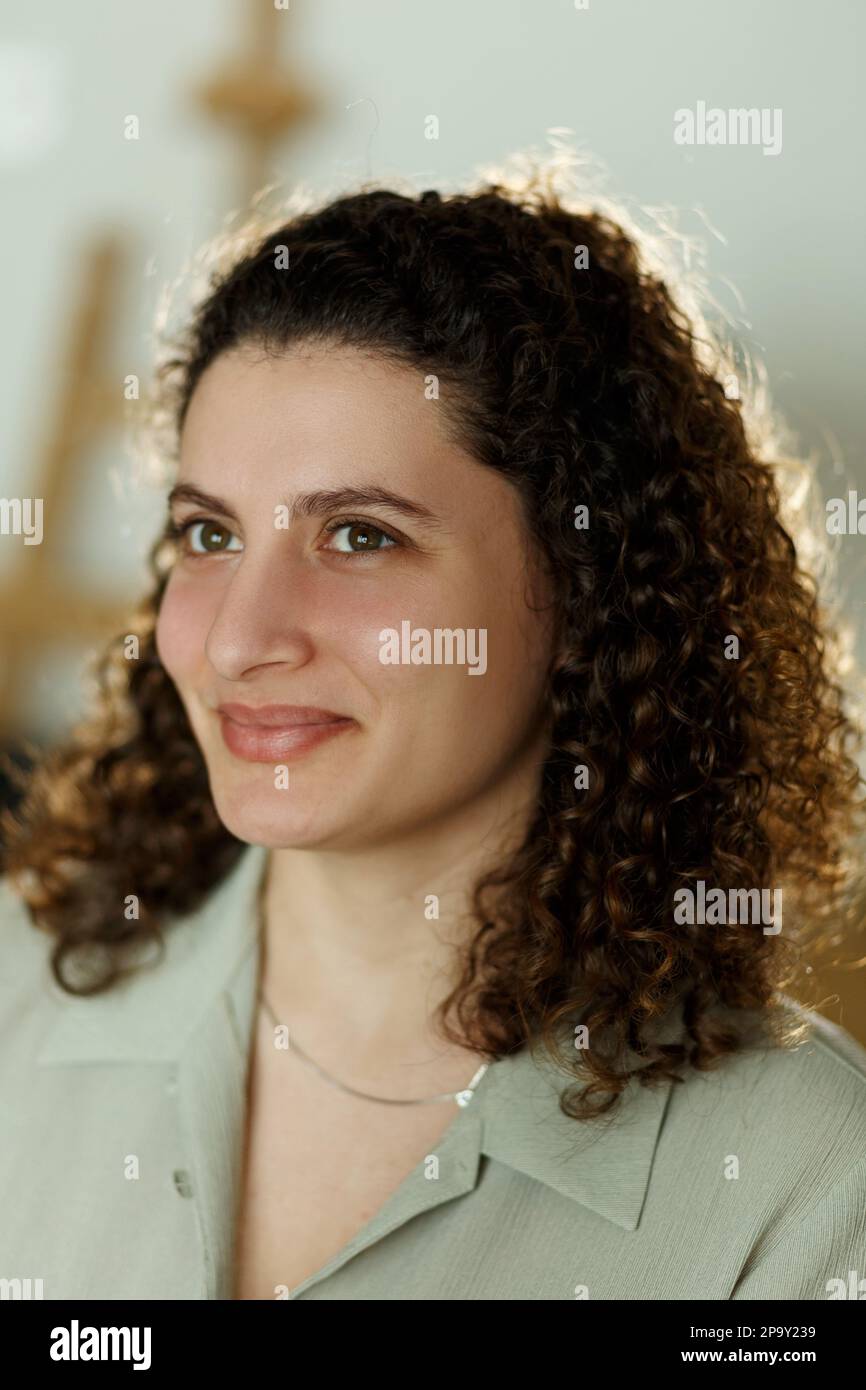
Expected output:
(462, 1098)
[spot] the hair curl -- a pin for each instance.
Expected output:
(582, 386)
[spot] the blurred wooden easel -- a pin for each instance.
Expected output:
(41, 607)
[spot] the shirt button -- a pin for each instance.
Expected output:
(182, 1182)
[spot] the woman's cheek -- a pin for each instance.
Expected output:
(179, 631)
(351, 623)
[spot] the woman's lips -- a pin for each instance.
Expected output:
(275, 733)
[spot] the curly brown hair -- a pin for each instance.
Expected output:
(575, 373)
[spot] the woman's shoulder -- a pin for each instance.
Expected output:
(26, 979)
(793, 1044)
(793, 1063)
(790, 1105)
(22, 941)
(775, 1135)
(830, 1048)
(28, 996)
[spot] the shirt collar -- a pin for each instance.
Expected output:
(211, 957)
(604, 1163)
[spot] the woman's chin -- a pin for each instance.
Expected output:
(253, 819)
(259, 827)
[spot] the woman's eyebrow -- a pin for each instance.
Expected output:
(312, 504)
(187, 492)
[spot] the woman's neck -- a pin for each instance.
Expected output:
(361, 946)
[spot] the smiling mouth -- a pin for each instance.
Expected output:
(271, 735)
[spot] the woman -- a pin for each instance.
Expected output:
(458, 764)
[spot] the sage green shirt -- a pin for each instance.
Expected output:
(122, 1120)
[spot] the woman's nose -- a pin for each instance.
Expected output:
(260, 617)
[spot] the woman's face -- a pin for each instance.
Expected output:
(285, 595)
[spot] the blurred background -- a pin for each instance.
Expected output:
(130, 133)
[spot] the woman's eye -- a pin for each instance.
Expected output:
(360, 538)
(213, 537)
